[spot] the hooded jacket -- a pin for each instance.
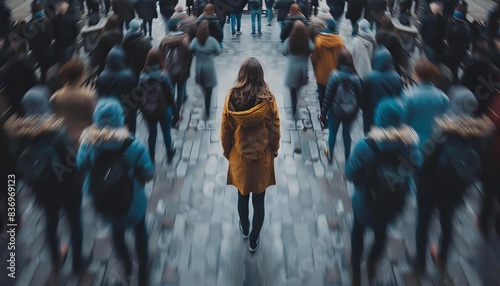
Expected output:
(362, 49)
(116, 79)
(136, 47)
(214, 26)
(175, 19)
(288, 22)
(178, 58)
(325, 55)
(283, 7)
(344, 74)
(108, 133)
(152, 75)
(124, 10)
(250, 141)
(146, 9)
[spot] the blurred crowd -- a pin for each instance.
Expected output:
(430, 118)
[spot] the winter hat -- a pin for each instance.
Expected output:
(363, 25)
(324, 12)
(134, 26)
(458, 15)
(389, 112)
(462, 101)
(109, 113)
(331, 27)
(36, 101)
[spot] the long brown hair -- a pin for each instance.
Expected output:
(202, 32)
(209, 10)
(250, 88)
(154, 57)
(298, 43)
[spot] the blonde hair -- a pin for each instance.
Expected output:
(436, 8)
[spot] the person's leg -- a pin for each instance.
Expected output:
(357, 244)
(425, 209)
(165, 124)
(253, 15)
(321, 94)
(377, 248)
(152, 128)
(333, 128)
(150, 24)
(346, 135)
(131, 120)
(367, 121)
(445, 219)
(354, 24)
(269, 15)
(243, 212)
(121, 249)
(73, 210)
(293, 94)
(145, 27)
(258, 215)
(238, 28)
(52, 220)
(259, 21)
(141, 247)
(208, 100)
(233, 24)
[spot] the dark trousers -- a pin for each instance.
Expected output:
(258, 213)
(153, 132)
(294, 94)
(367, 120)
(426, 206)
(72, 208)
(321, 94)
(131, 120)
(141, 247)
(208, 99)
(145, 25)
(491, 193)
(357, 244)
(354, 24)
(181, 96)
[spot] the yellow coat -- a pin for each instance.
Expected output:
(250, 140)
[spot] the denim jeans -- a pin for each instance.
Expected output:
(321, 94)
(333, 128)
(258, 213)
(256, 13)
(141, 247)
(357, 244)
(165, 124)
(269, 15)
(235, 23)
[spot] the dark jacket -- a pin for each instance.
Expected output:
(65, 32)
(286, 29)
(214, 26)
(136, 47)
(433, 31)
(336, 7)
(374, 9)
(269, 4)
(178, 57)
(355, 9)
(382, 81)
(175, 19)
(284, 8)
(107, 41)
(146, 9)
(4, 19)
(116, 79)
(236, 7)
(305, 7)
(167, 7)
(123, 9)
(152, 76)
(344, 74)
(41, 33)
(458, 36)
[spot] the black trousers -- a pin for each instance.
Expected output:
(357, 244)
(258, 213)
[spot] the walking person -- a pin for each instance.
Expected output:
(337, 8)
(327, 47)
(214, 23)
(376, 202)
(433, 31)
(136, 46)
(269, 11)
(125, 12)
(235, 15)
(341, 104)
(121, 200)
(288, 22)
(174, 21)
(374, 11)
(40, 26)
(146, 10)
(297, 51)
(112, 35)
(250, 111)
(458, 36)
(362, 48)
(154, 82)
(255, 7)
(65, 33)
(283, 7)
(167, 9)
(205, 48)
(354, 11)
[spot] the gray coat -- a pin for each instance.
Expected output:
(205, 74)
(298, 66)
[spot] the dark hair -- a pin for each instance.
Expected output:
(425, 70)
(202, 32)
(154, 57)
(113, 23)
(209, 10)
(294, 10)
(345, 59)
(298, 43)
(72, 72)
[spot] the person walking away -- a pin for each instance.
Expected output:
(5, 19)
(119, 81)
(327, 47)
(374, 11)
(178, 58)
(40, 26)
(362, 48)
(288, 23)
(376, 203)
(158, 104)
(458, 36)
(341, 104)
(382, 81)
(125, 12)
(337, 8)
(44, 143)
(205, 48)
(283, 7)
(235, 15)
(250, 111)
(136, 47)
(305, 7)
(199, 7)
(146, 10)
(390, 40)
(178, 15)
(190, 6)
(167, 9)
(111, 35)
(255, 7)
(297, 52)
(433, 31)
(354, 11)
(269, 11)
(65, 32)
(73, 103)
(107, 147)
(214, 24)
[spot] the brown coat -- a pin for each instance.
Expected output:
(76, 106)
(250, 140)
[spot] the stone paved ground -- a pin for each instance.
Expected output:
(192, 217)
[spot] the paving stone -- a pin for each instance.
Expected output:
(286, 136)
(313, 148)
(181, 169)
(293, 187)
(186, 150)
(195, 152)
(214, 136)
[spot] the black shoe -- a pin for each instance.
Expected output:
(175, 121)
(253, 246)
(170, 155)
(268, 24)
(260, 33)
(81, 267)
(243, 233)
(253, 33)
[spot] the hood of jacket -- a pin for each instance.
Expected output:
(94, 135)
(33, 126)
(367, 38)
(464, 126)
(115, 60)
(173, 39)
(462, 101)
(36, 101)
(250, 117)
(382, 60)
(394, 138)
(329, 40)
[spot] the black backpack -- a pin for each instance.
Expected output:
(387, 188)
(153, 104)
(110, 185)
(345, 104)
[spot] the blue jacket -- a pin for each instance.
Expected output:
(423, 105)
(116, 79)
(108, 133)
(344, 73)
(403, 140)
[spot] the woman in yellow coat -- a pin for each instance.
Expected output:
(250, 136)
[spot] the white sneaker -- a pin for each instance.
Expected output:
(233, 36)
(256, 244)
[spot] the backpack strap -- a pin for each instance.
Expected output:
(371, 143)
(125, 145)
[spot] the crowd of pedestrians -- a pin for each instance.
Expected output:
(444, 130)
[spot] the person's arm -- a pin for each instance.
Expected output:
(284, 48)
(226, 132)
(331, 88)
(144, 168)
(217, 47)
(360, 158)
(169, 92)
(274, 130)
